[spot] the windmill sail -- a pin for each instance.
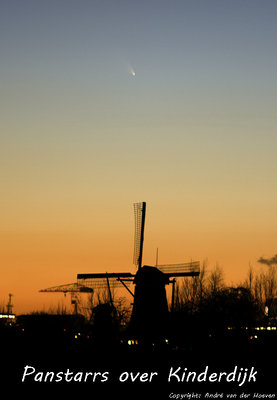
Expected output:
(99, 280)
(185, 269)
(139, 209)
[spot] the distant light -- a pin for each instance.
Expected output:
(7, 316)
(263, 328)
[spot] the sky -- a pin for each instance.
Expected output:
(107, 103)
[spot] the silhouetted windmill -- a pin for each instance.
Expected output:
(150, 308)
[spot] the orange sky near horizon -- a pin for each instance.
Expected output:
(37, 259)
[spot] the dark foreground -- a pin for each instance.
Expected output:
(73, 364)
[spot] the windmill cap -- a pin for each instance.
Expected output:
(148, 275)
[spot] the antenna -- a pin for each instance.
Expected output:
(139, 209)
(157, 256)
(9, 305)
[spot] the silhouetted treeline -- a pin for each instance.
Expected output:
(205, 305)
(263, 287)
(256, 292)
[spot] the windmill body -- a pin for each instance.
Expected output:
(149, 317)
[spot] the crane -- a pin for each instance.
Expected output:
(73, 289)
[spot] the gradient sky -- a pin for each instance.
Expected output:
(193, 134)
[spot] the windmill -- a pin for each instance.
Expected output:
(149, 317)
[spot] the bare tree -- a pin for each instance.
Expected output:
(249, 279)
(264, 286)
(215, 280)
(191, 291)
(123, 311)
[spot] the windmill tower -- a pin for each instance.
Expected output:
(149, 319)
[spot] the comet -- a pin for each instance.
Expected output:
(132, 71)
